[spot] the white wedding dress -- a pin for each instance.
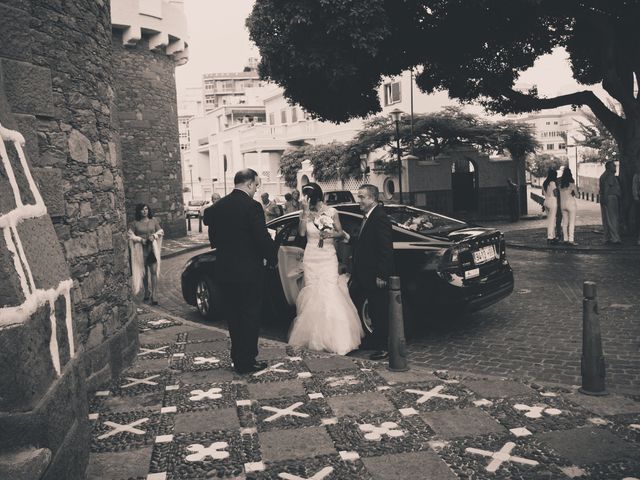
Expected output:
(327, 319)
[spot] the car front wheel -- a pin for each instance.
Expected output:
(365, 318)
(206, 298)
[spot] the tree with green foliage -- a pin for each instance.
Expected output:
(330, 55)
(596, 136)
(539, 165)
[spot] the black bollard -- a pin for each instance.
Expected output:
(188, 224)
(592, 364)
(397, 342)
(200, 224)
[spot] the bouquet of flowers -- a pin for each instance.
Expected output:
(324, 222)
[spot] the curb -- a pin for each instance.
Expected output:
(184, 250)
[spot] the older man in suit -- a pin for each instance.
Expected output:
(243, 248)
(372, 266)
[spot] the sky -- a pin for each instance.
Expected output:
(219, 42)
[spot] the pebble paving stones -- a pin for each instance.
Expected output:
(181, 412)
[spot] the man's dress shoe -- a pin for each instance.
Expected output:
(379, 355)
(255, 367)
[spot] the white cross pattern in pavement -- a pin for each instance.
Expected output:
(149, 351)
(204, 360)
(211, 394)
(501, 456)
(118, 428)
(318, 476)
(273, 368)
(344, 380)
(140, 381)
(536, 411)
(215, 451)
(281, 412)
(375, 433)
(157, 323)
(433, 393)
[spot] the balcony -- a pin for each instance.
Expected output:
(263, 137)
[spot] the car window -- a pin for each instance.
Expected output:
(351, 223)
(422, 221)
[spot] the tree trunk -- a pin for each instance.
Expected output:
(629, 165)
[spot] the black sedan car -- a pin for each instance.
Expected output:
(444, 265)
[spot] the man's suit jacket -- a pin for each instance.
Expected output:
(241, 239)
(207, 219)
(373, 252)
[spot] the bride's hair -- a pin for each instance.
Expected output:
(314, 192)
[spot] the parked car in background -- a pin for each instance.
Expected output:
(334, 197)
(193, 207)
(445, 265)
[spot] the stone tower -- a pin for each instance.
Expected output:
(148, 43)
(67, 319)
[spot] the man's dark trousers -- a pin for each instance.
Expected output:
(242, 307)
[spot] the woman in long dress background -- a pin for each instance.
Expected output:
(327, 319)
(145, 244)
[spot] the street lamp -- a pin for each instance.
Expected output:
(396, 115)
(191, 176)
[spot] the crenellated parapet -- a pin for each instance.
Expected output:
(161, 22)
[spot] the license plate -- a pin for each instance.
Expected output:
(484, 254)
(473, 273)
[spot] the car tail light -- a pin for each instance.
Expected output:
(454, 256)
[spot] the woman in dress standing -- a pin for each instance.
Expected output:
(327, 319)
(569, 205)
(550, 190)
(145, 243)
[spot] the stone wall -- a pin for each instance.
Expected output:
(67, 321)
(145, 91)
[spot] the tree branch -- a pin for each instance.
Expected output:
(585, 97)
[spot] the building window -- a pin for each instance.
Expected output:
(548, 123)
(562, 146)
(549, 146)
(283, 116)
(272, 119)
(294, 115)
(555, 123)
(392, 93)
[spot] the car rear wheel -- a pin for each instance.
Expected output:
(367, 323)
(365, 318)
(206, 298)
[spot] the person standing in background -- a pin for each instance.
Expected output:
(551, 193)
(208, 212)
(569, 205)
(610, 194)
(145, 244)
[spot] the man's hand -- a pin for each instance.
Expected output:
(380, 283)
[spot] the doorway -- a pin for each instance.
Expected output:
(464, 185)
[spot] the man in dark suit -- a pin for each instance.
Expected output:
(206, 216)
(243, 245)
(372, 266)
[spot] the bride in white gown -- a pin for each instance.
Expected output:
(327, 319)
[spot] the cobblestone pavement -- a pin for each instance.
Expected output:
(180, 412)
(534, 333)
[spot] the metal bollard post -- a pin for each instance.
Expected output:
(189, 224)
(199, 224)
(592, 364)
(397, 342)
